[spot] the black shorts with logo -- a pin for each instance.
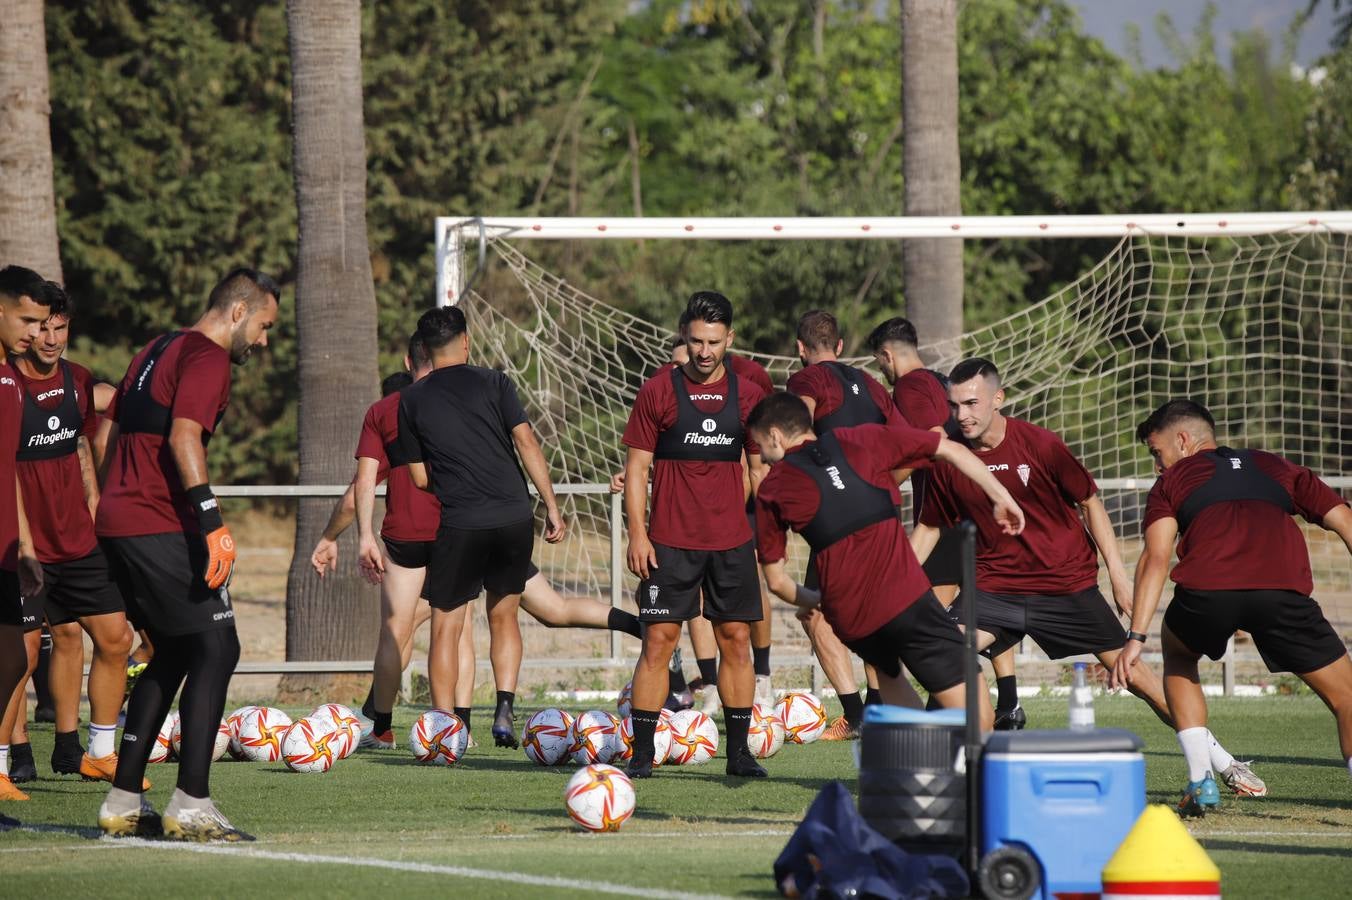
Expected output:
(161, 579)
(924, 639)
(727, 578)
(1288, 628)
(11, 604)
(467, 561)
(1065, 625)
(33, 611)
(944, 564)
(79, 587)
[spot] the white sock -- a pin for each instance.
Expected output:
(101, 740)
(1349, 765)
(121, 803)
(180, 803)
(1221, 760)
(4, 759)
(1196, 751)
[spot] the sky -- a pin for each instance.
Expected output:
(1108, 19)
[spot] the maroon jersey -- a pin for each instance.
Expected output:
(921, 399)
(1053, 555)
(1241, 544)
(411, 514)
(750, 370)
(53, 487)
(696, 504)
(824, 387)
(11, 413)
(870, 576)
(142, 493)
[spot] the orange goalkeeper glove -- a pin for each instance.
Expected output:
(220, 557)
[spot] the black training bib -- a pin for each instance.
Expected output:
(848, 502)
(49, 433)
(695, 435)
(856, 405)
(1235, 477)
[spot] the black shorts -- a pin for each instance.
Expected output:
(161, 579)
(923, 638)
(33, 611)
(467, 561)
(1004, 637)
(727, 578)
(1066, 625)
(78, 588)
(1289, 629)
(944, 564)
(408, 554)
(11, 605)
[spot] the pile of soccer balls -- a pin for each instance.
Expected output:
(263, 734)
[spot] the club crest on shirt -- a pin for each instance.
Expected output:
(1024, 471)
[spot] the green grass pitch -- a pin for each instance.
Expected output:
(494, 826)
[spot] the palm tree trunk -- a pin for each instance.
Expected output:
(931, 165)
(27, 201)
(335, 320)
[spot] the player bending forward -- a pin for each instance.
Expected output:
(837, 490)
(1242, 565)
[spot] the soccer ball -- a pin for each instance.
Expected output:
(438, 737)
(803, 715)
(311, 744)
(766, 735)
(625, 703)
(599, 798)
(222, 738)
(596, 738)
(661, 740)
(694, 738)
(261, 733)
(548, 737)
(346, 720)
(163, 749)
(232, 722)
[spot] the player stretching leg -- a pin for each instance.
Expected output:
(1242, 565)
(172, 554)
(24, 306)
(687, 427)
(1044, 582)
(921, 396)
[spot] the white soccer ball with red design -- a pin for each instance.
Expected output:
(261, 733)
(344, 718)
(766, 734)
(624, 704)
(599, 798)
(163, 749)
(803, 715)
(438, 738)
(661, 740)
(694, 738)
(548, 737)
(313, 744)
(222, 739)
(232, 722)
(596, 738)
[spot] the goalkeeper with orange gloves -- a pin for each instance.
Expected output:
(171, 553)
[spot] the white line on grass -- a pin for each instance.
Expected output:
(549, 881)
(641, 834)
(1209, 834)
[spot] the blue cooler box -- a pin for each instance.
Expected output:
(1069, 797)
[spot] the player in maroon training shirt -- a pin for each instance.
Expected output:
(687, 426)
(1242, 565)
(23, 309)
(1043, 582)
(172, 554)
(837, 490)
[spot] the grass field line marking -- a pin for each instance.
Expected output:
(646, 834)
(1207, 834)
(550, 881)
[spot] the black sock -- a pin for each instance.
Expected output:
(872, 697)
(382, 722)
(676, 681)
(68, 740)
(854, 708)
(760, 660)
(462, 713)
(737, 721)
(708, 670)
(1006, 692)
(645, 725)
(20, 754)
(619, 620)
(212, 656)
(368, 706)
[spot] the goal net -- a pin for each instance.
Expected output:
(1257, 327)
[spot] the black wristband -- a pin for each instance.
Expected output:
(1136, 636)
(204, 504)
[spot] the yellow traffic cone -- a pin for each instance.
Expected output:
(1160, 860)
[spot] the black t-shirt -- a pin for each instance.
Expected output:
(459, 421)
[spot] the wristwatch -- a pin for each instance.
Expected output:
(1136, 636)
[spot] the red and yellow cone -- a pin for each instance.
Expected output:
(1159, 860)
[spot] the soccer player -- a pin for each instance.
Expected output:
(23, 309)
(837, 395)
(687, 427)
(461, 430)
(56, 474)
(1242, 565)
(1044, 581)
(921, 396)
(172, 554)
(837, 489)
